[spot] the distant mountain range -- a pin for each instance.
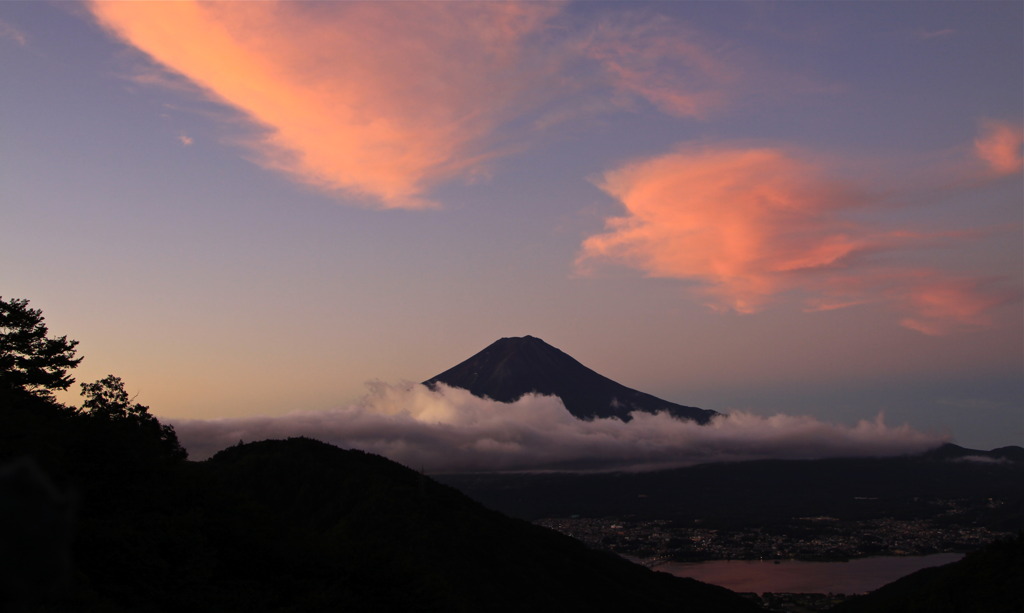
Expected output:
(723, 493)
(956, 453)
(512, 367)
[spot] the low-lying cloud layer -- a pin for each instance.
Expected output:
(450, 430)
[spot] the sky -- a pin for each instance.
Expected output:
(269, 212)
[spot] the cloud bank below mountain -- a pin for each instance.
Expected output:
(450, 430)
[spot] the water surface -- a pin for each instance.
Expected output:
(853, 577)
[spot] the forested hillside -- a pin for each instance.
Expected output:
(101, 515)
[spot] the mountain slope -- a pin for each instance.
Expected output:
(293, 525)
(341, 527)
(990, 580)
(512, 367)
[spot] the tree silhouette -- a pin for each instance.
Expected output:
(107, 400)
(29, 360)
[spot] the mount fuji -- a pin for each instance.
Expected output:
(511, 367)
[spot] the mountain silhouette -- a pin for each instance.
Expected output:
(986, 581)
(311, 527)
(97, 517)
(512, 367)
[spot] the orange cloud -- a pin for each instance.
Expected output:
(385, 100)
(746, 223)
(749, 225)
(353, 96)
(999, 145)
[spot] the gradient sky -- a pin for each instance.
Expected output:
(248, 209)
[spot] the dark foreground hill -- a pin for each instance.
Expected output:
(990, 580)
(509, 368)
(351, 528)
(292, 525)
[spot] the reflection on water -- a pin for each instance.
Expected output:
(853, 577)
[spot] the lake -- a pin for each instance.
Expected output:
(853, 577)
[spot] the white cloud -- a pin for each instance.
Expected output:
(450, 430)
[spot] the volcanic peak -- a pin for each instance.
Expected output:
(511, 367)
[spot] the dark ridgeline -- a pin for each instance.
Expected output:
(102, 516)
(956, 453)
(845, 488)
(512, 367)
(990, 580)
(349, 528)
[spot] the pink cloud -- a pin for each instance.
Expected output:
(941, 306)
(353, 96)
(930, 301)
(661, 61)
(384, 101)
(746, 223)
(999, 146)
(750, 225)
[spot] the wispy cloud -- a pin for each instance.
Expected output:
(449, 430)
(940, 306)
(659, 60)
(354, 96)
(185, 140)
(929, 34)
(12, 33)
(748, 226)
